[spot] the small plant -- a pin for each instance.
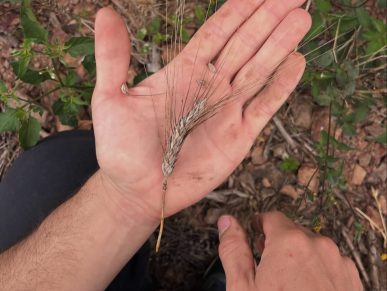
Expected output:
(151, 35)
(333, 78)
(289, 165)
(382, 138)
(73, 91)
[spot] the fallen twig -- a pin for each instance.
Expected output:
(372, 223)
(220, 196)
(308, 4)
(355, 254)
(383, 230)
(373, 257)
(285, 134)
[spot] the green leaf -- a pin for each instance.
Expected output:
(20, 67)
(359, 230)
(67, 109)
(200, 15)
(89, 64)
(71, 78)
(341, 146)
(86, 95)
(323, 6)
(361, 112)
(374, 46)
(141, 33)
(317, 27)
(324, 137)
(347, 74)
(349, 129)
(31, 27)
(382, 139)
(80, 46)
(3, 87)
(379, 25)
(348, 23)
(310, 195)
(9, 120)
(31, 76)
(289, 165)
(154, 26)
(363, 17)
(326, 59)
(158, 38)
(140, 77)
(29, 132)
(382, 3)
(323, 99)
(185, 36)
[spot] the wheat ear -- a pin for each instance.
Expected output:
(174, 144)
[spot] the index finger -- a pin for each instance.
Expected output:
(214, 34)
(274, 223)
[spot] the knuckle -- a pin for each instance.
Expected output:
(215, 30)
(230, 244)
(235, 7)
(287, 84)
(249, 40)
(264, 109)
(268, 219)
(237, 285)
(270, 9)
(274, 215)
(328, 246)
(298, 239)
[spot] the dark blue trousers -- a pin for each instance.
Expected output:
(44, 177)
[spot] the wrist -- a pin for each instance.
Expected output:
(124, 207)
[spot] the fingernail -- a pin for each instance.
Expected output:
(224, 223)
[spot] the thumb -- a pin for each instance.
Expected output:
(112, 51)
(235, 254)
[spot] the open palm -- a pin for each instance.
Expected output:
(129, 128)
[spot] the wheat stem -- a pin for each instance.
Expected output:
(165, 187)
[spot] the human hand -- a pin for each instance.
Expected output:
(293, 258)
(127, 127)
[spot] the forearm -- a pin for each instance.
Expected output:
(82, 245)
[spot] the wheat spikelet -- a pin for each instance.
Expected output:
(174, 144)
(179, 133)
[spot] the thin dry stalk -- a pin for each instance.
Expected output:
(285, 134)
(373, 257)
(375, 195)
(355, 253)
(334, 50)
(372, 223)
(382, 230)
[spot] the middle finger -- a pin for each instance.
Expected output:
(252, 34)
(258, 71)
